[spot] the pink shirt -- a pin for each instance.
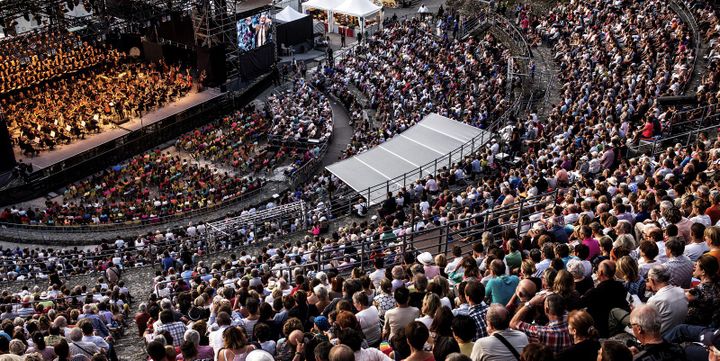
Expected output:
(594, 246)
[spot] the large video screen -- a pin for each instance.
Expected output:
(254, 31)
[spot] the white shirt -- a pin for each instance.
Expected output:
(369, 320)
(215, 339)
(703, 219)
(490, 348)
(695, 250)
(371, 354)
(97, 341)
(671, 303)
(377, 276)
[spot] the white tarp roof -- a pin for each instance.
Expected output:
(358, 8)
(382, 168)
(288, 15)
(321, 4)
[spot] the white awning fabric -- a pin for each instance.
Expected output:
(289, 15)
(321, 4)
(358, 8)
(423, 149)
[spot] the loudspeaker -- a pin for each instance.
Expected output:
(212, 61)
(7, 157)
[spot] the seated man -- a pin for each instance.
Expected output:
(646, 322)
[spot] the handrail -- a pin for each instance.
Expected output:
(140, 223)
(513, 34)
(409, 241)
(657, 145)
(683, 11)
(203, 240)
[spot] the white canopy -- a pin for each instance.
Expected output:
(288, 15)
(423, 149)
(358, 8)
(321, 4)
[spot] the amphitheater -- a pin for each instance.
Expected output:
(359, 180)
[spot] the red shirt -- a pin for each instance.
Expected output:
(714, 213)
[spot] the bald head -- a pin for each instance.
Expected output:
(526, 289)
(341, 353)
(295, 337)
(606, 270)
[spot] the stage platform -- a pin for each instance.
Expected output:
(61, 153)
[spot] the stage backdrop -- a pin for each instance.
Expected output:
(295, 32)
(256, 62)
(7, 157)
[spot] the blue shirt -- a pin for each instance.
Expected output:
(500, 289)
(167, 263)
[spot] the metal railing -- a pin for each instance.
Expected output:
(506, 26)
(377, 193)
(203, 241)
(686, 14)
(139, 223)
(654, 147)
(302, 174)
(436, 240)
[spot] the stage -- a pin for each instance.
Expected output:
(61, 153)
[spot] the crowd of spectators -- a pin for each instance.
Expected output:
(145, 188)
(606, 247)
(405, 72)
(58, 322)
(300, 114)
(232, 140)
(633, 239)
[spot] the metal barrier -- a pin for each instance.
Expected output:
(657, 146)
(279, 214)
(436, 240)
(140, 223)
(377, 193)
(204, 242)
(686, 14)
(311, 167)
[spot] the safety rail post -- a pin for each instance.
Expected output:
(440, 239)
(412, 231)
(445, 240)
(367, 200)
(520, 209)
(362, 256)
(435, 173)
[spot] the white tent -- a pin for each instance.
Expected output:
(321, 4)
(327, 5)
(288, 15)
(358, 8)
(362, 9)
(434, 142)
